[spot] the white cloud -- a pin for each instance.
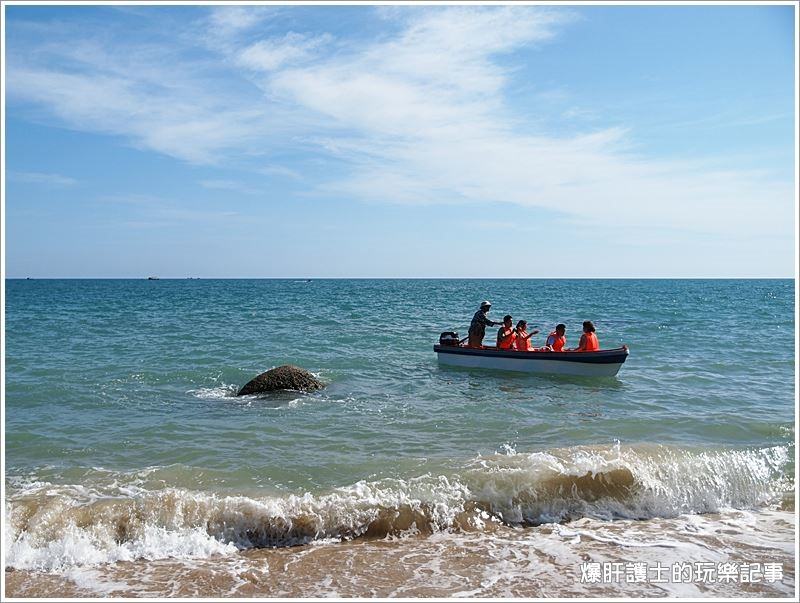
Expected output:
(580, 113)
(50, 180)
(429, 124)
(437, 74)
(230, 20)
(189, 122)
(271, 54)
(280, 171)
(420, 116)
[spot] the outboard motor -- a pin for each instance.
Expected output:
(449, 338)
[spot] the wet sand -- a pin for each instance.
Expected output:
(542, 561)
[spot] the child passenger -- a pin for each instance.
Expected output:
(523, 341)
(557, 339)
(506, 334)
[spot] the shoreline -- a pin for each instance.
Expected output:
(551, 560)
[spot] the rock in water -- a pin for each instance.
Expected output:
(283, 377)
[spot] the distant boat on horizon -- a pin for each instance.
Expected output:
(152, 278)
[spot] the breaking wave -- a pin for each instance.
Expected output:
(51, 527)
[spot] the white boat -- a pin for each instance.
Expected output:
(603, 363)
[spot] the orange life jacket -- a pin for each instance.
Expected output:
(590, 343)
(508, 342)
(558, 342)
(523, 341)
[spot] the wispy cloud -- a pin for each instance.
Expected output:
(272, 54)
(152, 210)
(226, 21)
(49, 180)
(420, 115)
(188, 123)
(429, 124)
(162, 94)
(280, 171)
(580, 113)
(229, 185)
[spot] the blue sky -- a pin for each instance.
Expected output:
(400, 141)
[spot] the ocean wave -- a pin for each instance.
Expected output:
(631, 482)
(51, 527)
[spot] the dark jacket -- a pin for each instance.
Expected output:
(479, 323)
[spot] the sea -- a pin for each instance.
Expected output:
(132, 469)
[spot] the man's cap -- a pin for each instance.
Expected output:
(486, 304)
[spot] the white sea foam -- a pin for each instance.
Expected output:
(507, 449)
(642, 482)
(60, 526)
(94, 581)
(77, 546)
(214, 393)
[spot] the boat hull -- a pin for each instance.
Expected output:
(604, 363)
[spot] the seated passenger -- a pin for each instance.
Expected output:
(506, 334)
(523, 340)
(588, 342)
(557, 339)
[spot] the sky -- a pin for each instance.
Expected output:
(470, 141)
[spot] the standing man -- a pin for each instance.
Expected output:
(477, 328)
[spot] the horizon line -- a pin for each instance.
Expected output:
(386, 278)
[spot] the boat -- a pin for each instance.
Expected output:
(602, 363)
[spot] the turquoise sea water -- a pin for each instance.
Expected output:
(124, 391)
